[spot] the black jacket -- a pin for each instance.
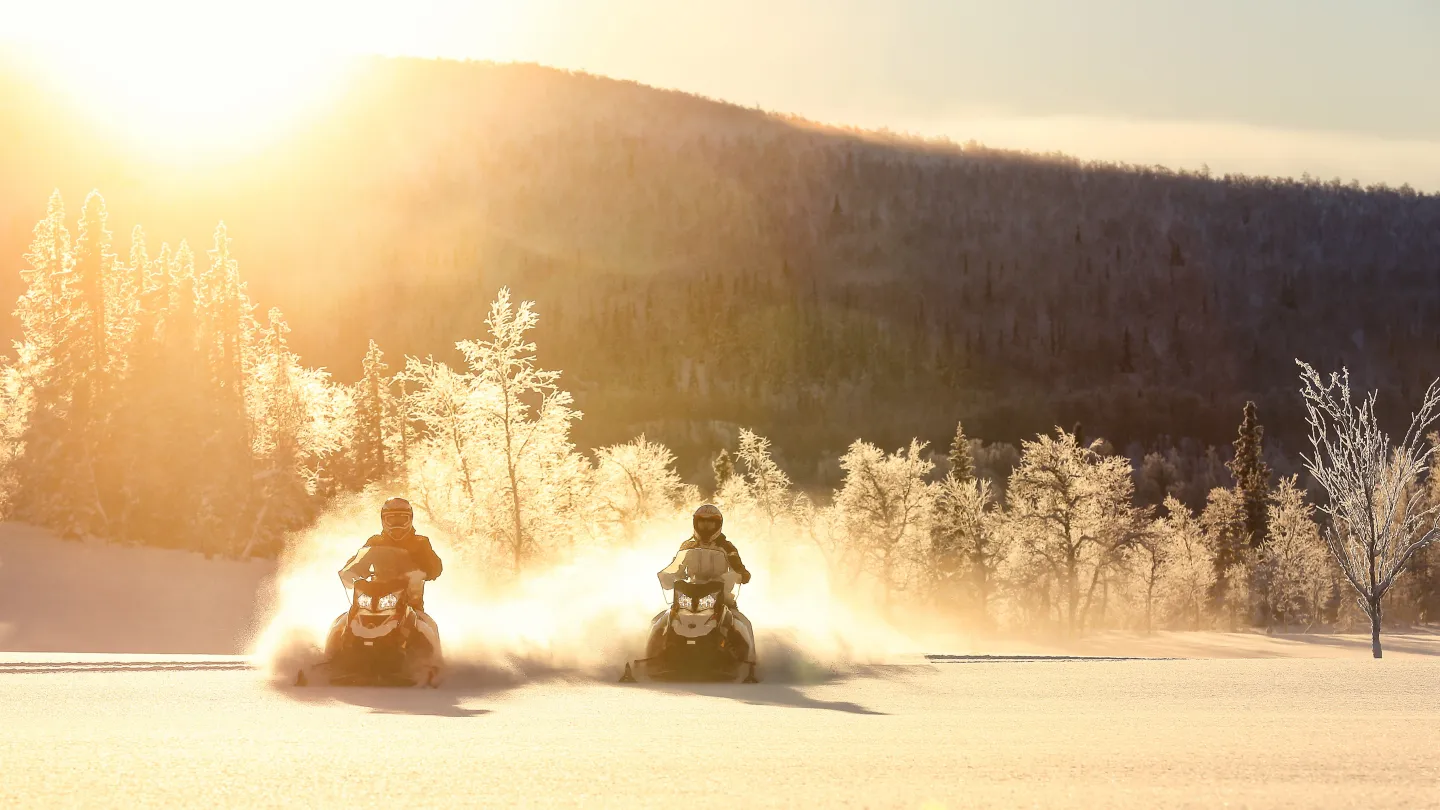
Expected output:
(731, 554)
(420, 551)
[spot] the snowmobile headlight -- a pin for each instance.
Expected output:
(684, 601)
(388, 601)
(363, 600)
(707, 602)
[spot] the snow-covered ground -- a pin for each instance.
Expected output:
(74, 596)
(114, 696)
(98, 731)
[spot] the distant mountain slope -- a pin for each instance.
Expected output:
(698, 264)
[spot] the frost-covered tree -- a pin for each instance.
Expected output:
(886, 507)
(167, 407)
(824, 526)
(962, 462)
(399, 428)
(300, 422)
(967, 546)
(531, 442)
(493, 456)
(1223, 520)
(47, 448)
(369, 460)
(1292, 562)
(86, 359)
(442, 464)
(232, 346)
(1188, 571)
(279, 418)
(1378, 510)
(723, 467)
(43, 308)
(16, 404)
(140, 405)
(759, 488)
(1071, 514)
(122, 302)
(227, 317)
(1147, 562)
(636, 482)
(67, 478)
(1157, 479)
(995, 463)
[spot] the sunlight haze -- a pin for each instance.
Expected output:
(799, 403)
(1335, 89)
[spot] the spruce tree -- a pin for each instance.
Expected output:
(86, 359)
(283, 498)
(369, 457)
(41, 308)
(122, 295)
(1252, 476)
(962, 465)
(45, 314)
(227, 333)
(724, 467)
(398, 429)
(167, 412)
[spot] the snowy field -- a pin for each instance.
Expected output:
(117, 692)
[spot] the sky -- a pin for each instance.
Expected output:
(1347, 89)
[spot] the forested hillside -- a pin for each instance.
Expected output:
(702, 266)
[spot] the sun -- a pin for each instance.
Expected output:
(198, 83)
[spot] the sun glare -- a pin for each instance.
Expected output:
(202, 81)
(186, 104)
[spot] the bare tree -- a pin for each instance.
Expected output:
(1379, 515)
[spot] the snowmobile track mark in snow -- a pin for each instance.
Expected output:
(981, 659)
(58, 667)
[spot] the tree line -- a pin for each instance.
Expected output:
(148, 402)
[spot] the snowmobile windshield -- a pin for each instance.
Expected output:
(383, 563)
(704, 564)
(697, 565)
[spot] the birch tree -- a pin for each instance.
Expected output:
(1292, 560)
(967, 546)
(635, 482)
(526, 420)
(1189, 569)
(756, 485)
(1378, 510)
(886, 507)
(1071, 512)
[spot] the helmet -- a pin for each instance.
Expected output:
(396, 517)
(707, 521)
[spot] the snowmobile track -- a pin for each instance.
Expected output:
(974, 659)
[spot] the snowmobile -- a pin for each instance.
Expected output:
(701, 636)
(382, 640)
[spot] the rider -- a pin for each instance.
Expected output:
(707, 521)
(397, 523)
